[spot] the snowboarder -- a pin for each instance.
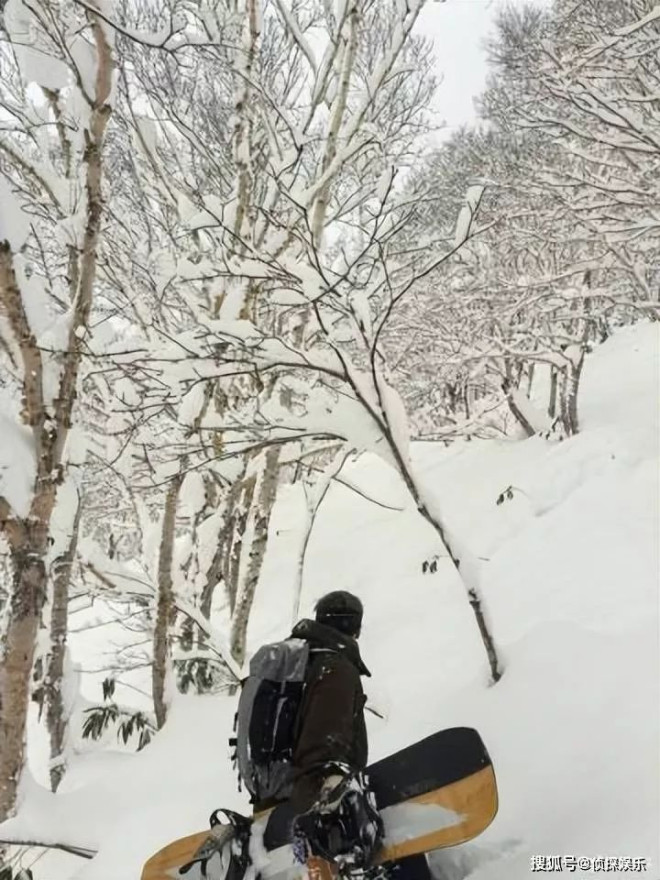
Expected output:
(331, 740)
(332, 734)
(323, 721)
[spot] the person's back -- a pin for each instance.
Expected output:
(331, 735)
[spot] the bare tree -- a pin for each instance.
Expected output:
(570, 159)
(165, 604)
(326, 123)
(34, 255)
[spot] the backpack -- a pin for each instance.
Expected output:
(267, 722)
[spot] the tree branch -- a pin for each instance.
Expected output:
(80, 851)
(13, 306)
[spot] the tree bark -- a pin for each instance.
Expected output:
(56, 711)
(219, 568)
(337, 113)
(552, 406)
(574, 390)
(28, 595)
(515, 410)
(530, 379)
(266, 493)
(165, 607)
(237, 527)
(569, 397)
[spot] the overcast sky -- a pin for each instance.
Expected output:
(459, 28)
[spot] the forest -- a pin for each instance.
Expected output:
(237, 259)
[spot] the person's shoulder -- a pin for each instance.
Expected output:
(329, 658)
(335, 663)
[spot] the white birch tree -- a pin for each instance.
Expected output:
(51, 162)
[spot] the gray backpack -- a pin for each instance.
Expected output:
(267, 719)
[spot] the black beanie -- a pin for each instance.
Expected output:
(342, 611)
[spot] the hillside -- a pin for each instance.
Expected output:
(569, 568)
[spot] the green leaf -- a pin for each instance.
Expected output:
(108, 688)
(98, 719)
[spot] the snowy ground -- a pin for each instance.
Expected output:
(569, 571)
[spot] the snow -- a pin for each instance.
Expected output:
(384, 184)
(568, 570)
(43, 69)
(191, 405)
(467, 214)
(14, 222)
(83, 56)
(97, 812)
(17, 457)
(297, 34)
(407, 821)
(149, 134)
(539, 420)
(36, 65)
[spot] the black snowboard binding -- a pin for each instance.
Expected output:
(224, 855)
(343, 826)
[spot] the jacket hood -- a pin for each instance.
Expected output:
(320, 635)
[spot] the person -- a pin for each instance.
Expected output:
(331, 741)
(332, 734)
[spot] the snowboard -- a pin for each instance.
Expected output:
(439, 792)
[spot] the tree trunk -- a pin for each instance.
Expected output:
(552, 406)
(165, 603)
(236, 536)
(321, 488)
(530, 379)
(26, 604)
(571, 390)
(469, 580)
(472, 588)
(50, 424)
(219, 568)
(519, 416)
(266, 492)
(56, 711)
(466, 404)
(346, 57)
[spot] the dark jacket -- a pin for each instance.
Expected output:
(331, 726)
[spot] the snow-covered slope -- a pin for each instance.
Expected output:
(569, 571)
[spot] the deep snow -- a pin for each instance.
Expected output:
(569, 571)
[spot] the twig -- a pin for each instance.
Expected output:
(374, 712)
(80, 851)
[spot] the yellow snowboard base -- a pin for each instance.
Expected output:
(472, 801)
